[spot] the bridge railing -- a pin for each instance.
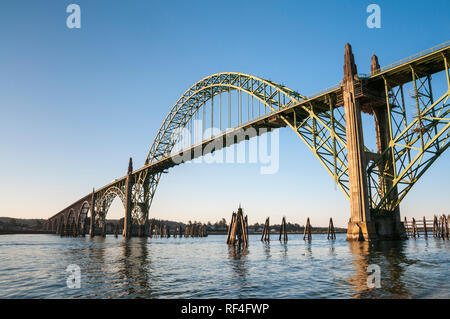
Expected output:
(410, 58)
(328, 89)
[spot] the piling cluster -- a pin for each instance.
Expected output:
(195, 230)
(307, 231)
(238, 229)
(283, 231)
(238, 233)
(160, 230)
(265, 237)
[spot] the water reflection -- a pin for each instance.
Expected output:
(308, 249)
(390, 256)
(135, 265)
(238, 259)
(266, 250)
(332, 250)
(284, 247)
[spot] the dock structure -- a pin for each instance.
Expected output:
(265, 237)
(437, 227)
(283, 231)
(307, 232)
(238, 230)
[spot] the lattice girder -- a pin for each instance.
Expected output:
(414, 146)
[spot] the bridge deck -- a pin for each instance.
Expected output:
(424, 63)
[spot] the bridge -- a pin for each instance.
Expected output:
(411, 129)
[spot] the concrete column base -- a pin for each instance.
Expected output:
(361, 231)
(381, 228)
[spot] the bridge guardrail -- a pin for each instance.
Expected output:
(410, 58)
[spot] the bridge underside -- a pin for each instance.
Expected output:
(408, 140)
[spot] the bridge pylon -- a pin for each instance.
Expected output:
(92, 221)
(365, 223)
(127, 225)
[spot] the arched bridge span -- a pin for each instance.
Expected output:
(236, 106)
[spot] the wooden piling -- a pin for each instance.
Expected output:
(238, 229)
(307, 232)
(266, 231)
(283, 230)
(414, 228)
(408, 232)
(425, 231)
(331, 231)
(445, 230)
(263, 231)
(435, 227)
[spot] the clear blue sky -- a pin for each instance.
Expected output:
(76, 104)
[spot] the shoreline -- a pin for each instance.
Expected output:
(25, 232)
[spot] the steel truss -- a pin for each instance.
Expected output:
(322, 127)
(414, 146)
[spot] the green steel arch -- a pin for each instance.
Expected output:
(273, 95)
(106, 199)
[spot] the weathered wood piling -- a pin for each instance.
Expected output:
(265, 237)
(425, 231)
(307, 232)
(438, 227)
(238, 230)
(435, 226)
(283, 231)
(194, 230)
(331, 231)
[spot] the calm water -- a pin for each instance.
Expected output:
(34, 266)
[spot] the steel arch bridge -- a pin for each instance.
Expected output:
(411, 133)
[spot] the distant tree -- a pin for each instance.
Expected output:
(39, 224)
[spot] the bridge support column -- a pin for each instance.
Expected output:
(387, 224)
(92, 221)
(360, 226)
(128, 201)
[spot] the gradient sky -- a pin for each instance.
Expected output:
(76, 104)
